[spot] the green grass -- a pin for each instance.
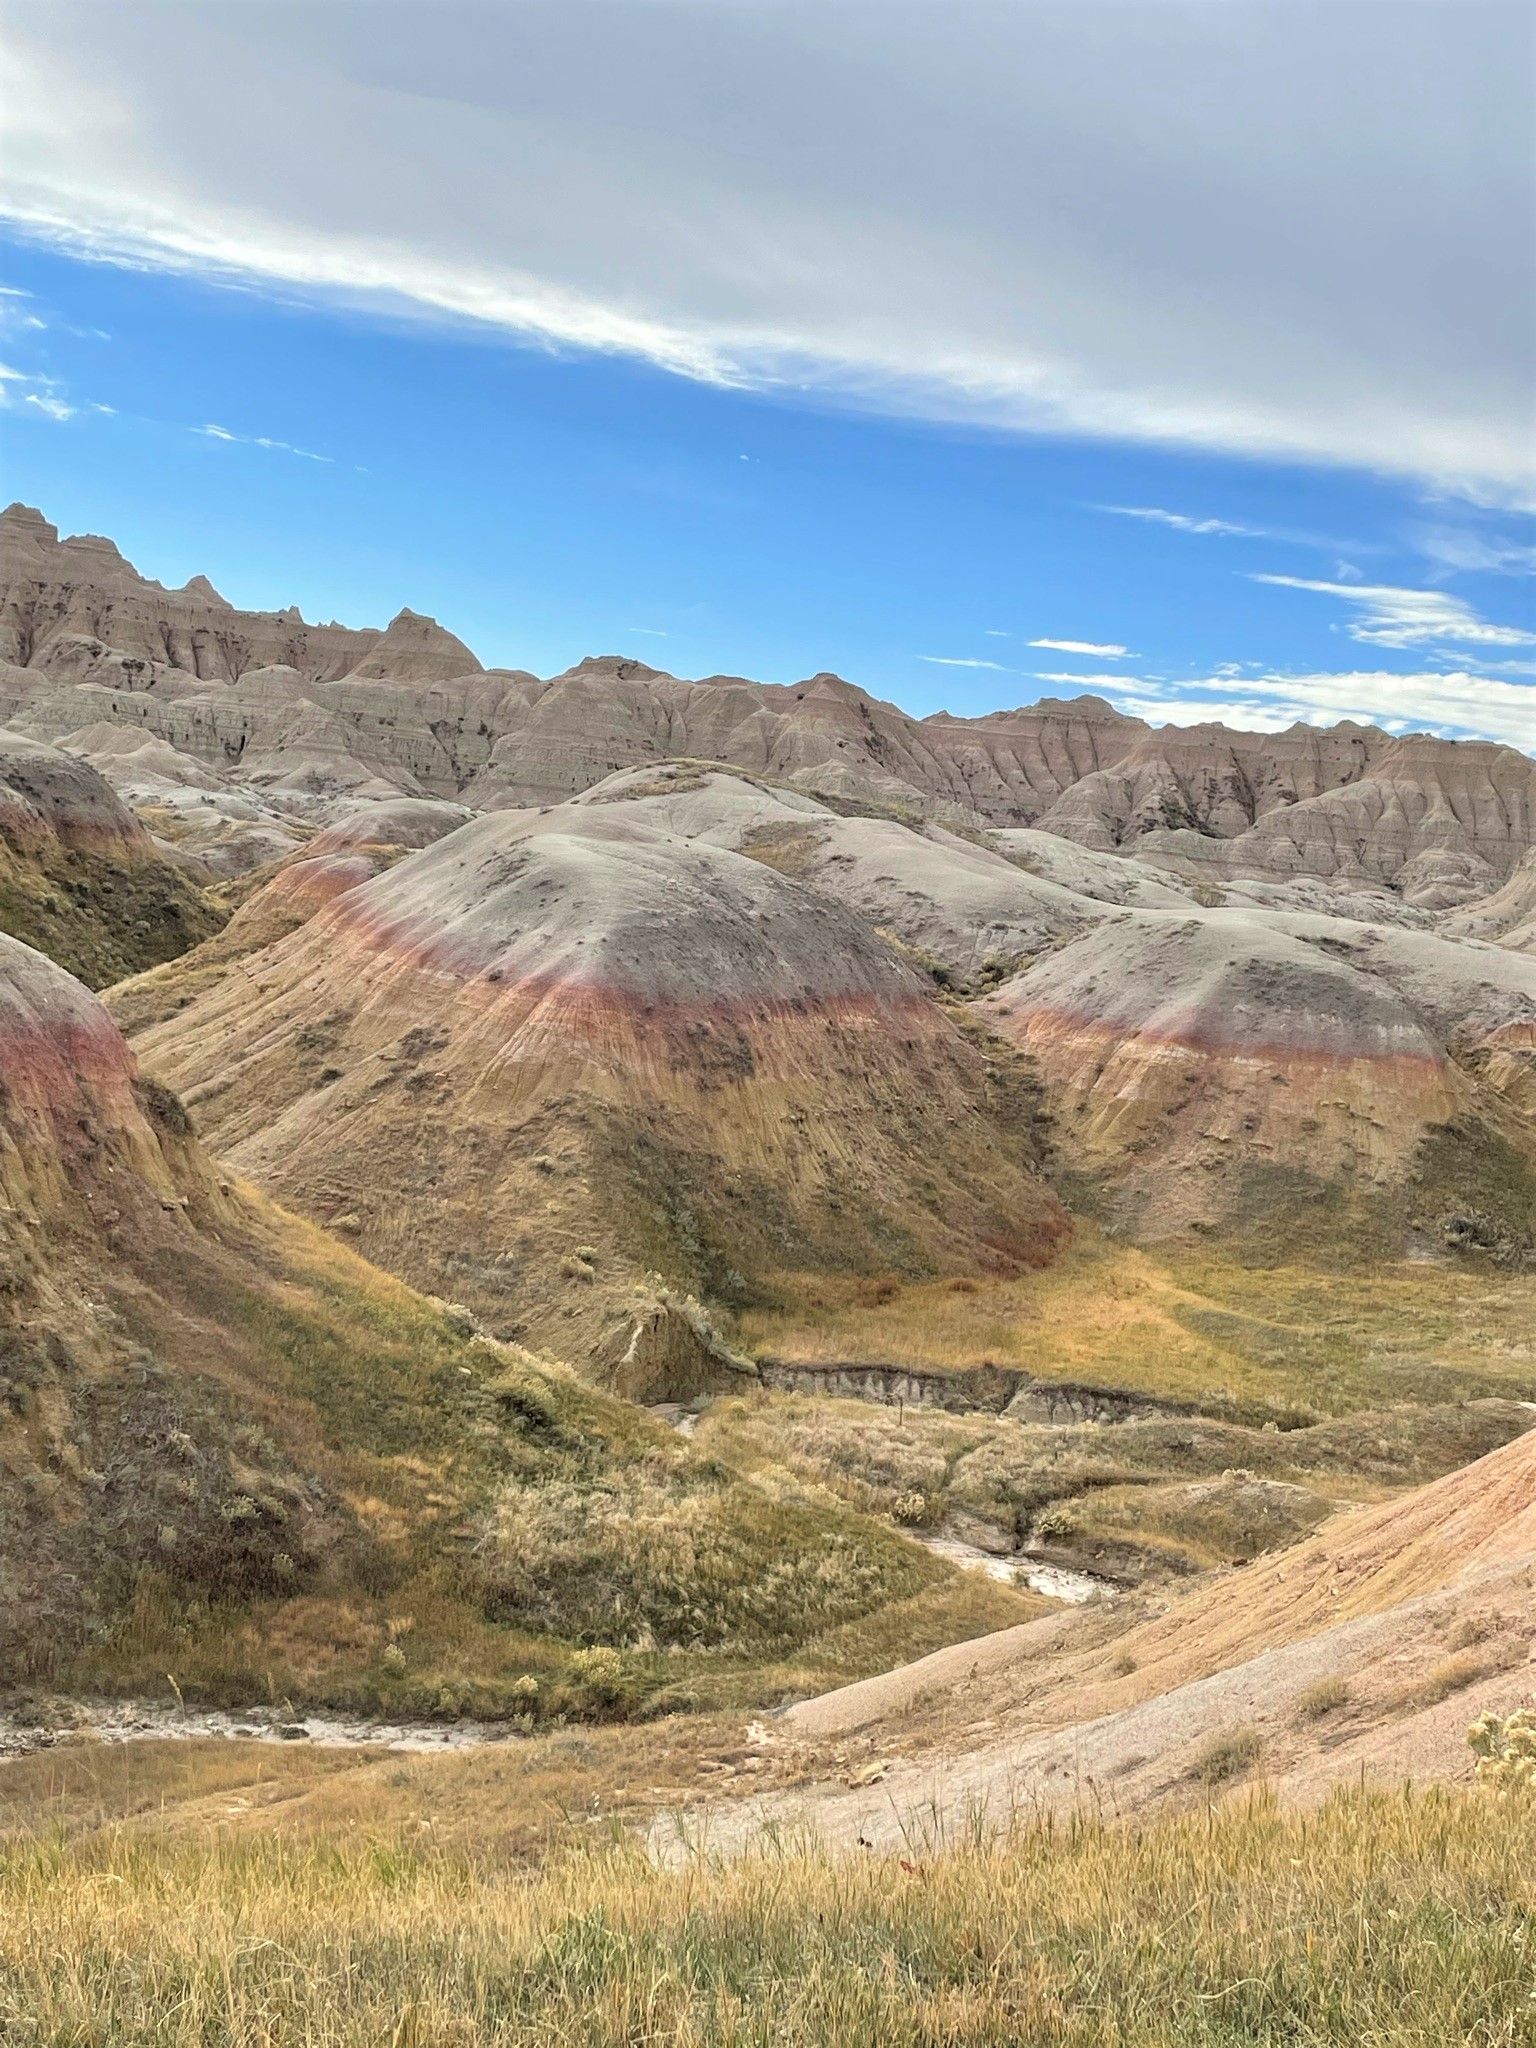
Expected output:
(102, 918)
(414, 1520)
(1398, 1921)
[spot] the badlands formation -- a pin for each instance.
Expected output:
(666, 1027)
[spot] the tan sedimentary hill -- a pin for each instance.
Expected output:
(1418, 825)
(824, 735)
(279, 704)
(111, 1217)
(1182, 1051)
(80, 877)
(1508, 916)
(361, 838)
(1348, 802)
(553, 1052)
(961, 907)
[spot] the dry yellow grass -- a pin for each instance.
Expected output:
(1396, 1921)
(1197, 1325)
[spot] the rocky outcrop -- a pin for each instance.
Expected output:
(82, 588)
(277, 704)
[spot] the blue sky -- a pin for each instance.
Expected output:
(682, 434)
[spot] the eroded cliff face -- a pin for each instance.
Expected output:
(275, 706)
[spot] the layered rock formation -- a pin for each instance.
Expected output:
(549, 1053)
(280, 706)
(1183, 1051)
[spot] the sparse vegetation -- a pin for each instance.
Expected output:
(1227, 1756)
(1454, 1674)
(1505, 1748)
(1326, 1697)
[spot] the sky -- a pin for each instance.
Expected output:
(1180, 351)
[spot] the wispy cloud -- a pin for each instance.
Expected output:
(1386, 616)
(1107, 651)
(858, 225)
(1457, 549)
(1456, 704)
(1184, 522)
(19, 388)
(259, 441)
(963, 661)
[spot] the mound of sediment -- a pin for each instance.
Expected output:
(1180, 1050)
(960, 908)
(80, 878)
(1363, 1651)
(552, 1052)
(1507, 916)
(315, 710)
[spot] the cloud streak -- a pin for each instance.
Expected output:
(1107, 652)
(213, 433)
(1387, 616)
(1455, 705)
(928, 223)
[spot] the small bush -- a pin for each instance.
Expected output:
(1227, 1756)
(1505, 1750)
(1454, 1675)
(1326, 1697)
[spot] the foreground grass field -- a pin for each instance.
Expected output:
(1382, 1919)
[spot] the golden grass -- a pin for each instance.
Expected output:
(1193, 1325)
(1397, 1921)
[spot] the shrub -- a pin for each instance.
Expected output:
(1326, 1697)
(1227, 1756)
(1506, 1750)
(683, 1554)
(1454, 1675)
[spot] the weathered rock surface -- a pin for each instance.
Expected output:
(315, 710)
(553, 1052)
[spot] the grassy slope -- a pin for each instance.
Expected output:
(102, 918)
(1400, 1921)
(501, 1548)
(1291, 1340)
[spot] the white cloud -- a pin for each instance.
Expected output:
(259, 441)
(1456, 705)
(963, 661)
(1108, 652)
(1183, 521)
(20, 388)
(1086, 682)
(1457, 548)
(1391, 617)
(921, 208)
